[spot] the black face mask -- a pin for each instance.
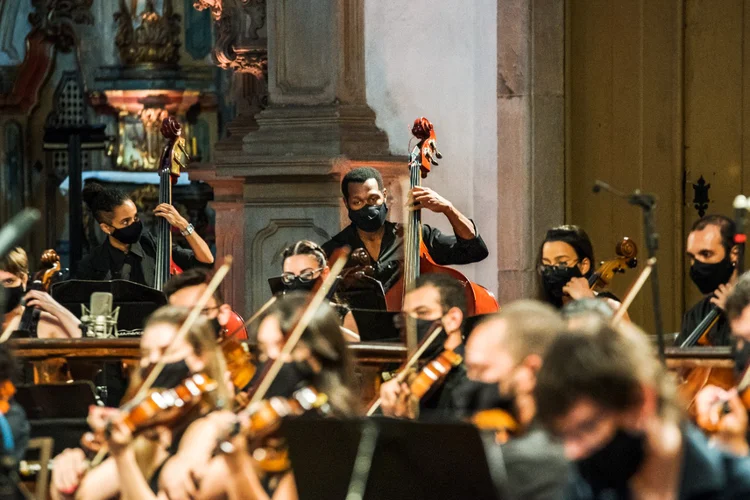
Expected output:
(216, 326)
(741, 356)
(708, 277)
(13, 296)
(554, 278)
(171, 375)
(298, 285)
(472, 396)
(129, 234)
(369, 218)
(616, 462)
(424, 326)
(291, 377)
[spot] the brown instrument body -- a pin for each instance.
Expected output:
(417, 259)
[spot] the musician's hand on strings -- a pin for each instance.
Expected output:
(119, 436)
(69, 468)
(720, 295)
(396, 399)
(170, 213)
(424, 197)
(100, 416)
(731, 428)
(177, 479)
(43, 301)
(578, 288)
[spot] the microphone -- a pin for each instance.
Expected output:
(16, 228)
(100, 320)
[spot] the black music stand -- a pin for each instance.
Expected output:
(136, 301)
(376, 326)
(410, 460)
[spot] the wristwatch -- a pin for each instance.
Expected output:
(188, 230)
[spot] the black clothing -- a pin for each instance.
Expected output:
(706, 473)
(444, 249)
(106, 262)
(440, 404)
(720, 334)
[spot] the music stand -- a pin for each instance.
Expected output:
(411, 460)
(376, 326)
(136, 301)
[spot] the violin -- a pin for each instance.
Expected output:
(417, 259)
(7, 391)
(170, 164)
(625, 258)
(502, 423)
(263, 420)
(42, 280)
(711, 422)
(240, 363)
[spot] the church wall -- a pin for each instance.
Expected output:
(438, 60)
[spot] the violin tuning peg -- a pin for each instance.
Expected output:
(438, 154)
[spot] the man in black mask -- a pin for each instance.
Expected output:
(503, 356)
(366, 199)
(184, 290)
(613, 405)
(713, 259)
(436, 300)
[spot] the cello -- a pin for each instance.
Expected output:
(417, 259)
(625, 257)
(49, 270)
(170, 164)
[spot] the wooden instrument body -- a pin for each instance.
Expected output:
(434, 373)
(417, 259)
(50, 268)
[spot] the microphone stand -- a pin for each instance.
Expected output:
(647, 203)
(363, 462)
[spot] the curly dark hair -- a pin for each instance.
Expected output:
(102, 201)
(360, 176)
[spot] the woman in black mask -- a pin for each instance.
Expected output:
(566, 260)
(128, 252)
(304, 265)
(50, 319)
(134, 467)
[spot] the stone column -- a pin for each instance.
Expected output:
(531, 136)
(316, 127)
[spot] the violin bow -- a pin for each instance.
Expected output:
(195, 313)
(255, 316)
(339, 260)
(434, 332)
(633, 292)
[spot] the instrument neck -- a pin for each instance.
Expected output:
(163, 233)
(412, 234)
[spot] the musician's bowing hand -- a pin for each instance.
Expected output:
(177, 479)
(424, 197)
(396, 400)
(43, 301)
(720, 295)
(731, 428)
(69, 468)
(170, 213)
(578, 288)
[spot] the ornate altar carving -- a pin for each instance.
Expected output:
(56, 19)
(154, 41)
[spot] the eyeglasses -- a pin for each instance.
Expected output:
(305, 276)
(206, 310)
(560, 265)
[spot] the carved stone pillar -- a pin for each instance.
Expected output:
(316, 127)
(531, 132)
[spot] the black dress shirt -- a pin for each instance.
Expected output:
(444, 249)
(138, 265)
(720, 333)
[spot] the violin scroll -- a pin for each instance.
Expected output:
(428, 152)
(626, 251)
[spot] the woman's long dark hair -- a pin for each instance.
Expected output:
(576, 238)
(324, 338)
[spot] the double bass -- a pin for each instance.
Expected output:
(417, 259)
(170, 164)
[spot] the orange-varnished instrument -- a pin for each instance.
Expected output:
(240, 363)
(49, 270)
(625, 258)
(170, 163)
(7, 391)
(712, 421)
(417, 259)
(498, 421)
(433, 373)
(259, 422)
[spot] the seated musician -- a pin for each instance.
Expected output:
(303, 265)
(503, 355)
(121, 473)
(436, 298)
(184, 290)
(566, 261)
(613, 405)
(730, 428)
(713, 260)
(365, 198)
(320, 359)
(49, 320)
(128, 252)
